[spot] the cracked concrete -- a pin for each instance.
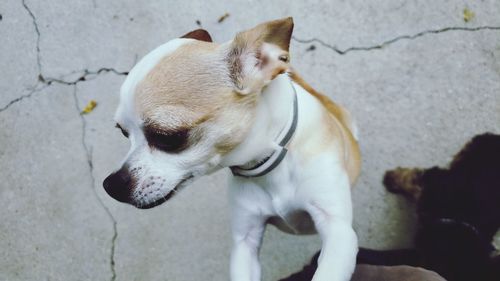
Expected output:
(37, 31)
(16, 45)
(88, 152)
(46, 230)
(394, 40)
(85, 75)
(419, 81)
(81, 75)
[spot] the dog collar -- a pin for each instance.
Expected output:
(449, 221)
(268, 163)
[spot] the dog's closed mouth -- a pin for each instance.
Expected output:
(169, 195)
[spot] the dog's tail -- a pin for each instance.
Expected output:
(388, 257)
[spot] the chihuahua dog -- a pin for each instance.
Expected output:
(192, 107)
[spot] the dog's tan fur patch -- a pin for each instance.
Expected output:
(339, 125)
(199, 92)
(277, 32)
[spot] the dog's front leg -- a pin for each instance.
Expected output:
(338, 252)
(247, 237)
(333, 221)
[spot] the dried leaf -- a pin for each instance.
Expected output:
(468, 15)
(89, 107)
(223, 17)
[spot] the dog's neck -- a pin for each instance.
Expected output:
(272, 114)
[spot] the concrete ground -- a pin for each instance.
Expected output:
(419, 80)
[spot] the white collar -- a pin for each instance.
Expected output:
(272, 160)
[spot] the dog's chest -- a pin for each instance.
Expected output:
(285, 212)
(281, 197)
(294, 222)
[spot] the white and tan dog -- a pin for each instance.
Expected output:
(191, 107)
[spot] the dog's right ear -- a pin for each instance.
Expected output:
(198, 34)
(406, 181)
(258, 55)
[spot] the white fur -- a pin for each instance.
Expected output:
(270, 119)
(321, 188)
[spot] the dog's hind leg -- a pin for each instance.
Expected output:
(404, 181)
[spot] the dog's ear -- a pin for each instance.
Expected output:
(198, 34)
(258, 55)
(406, 181)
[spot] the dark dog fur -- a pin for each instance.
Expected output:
(458, 214)
(458, 210)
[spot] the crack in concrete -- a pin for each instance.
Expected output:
(37, 30)
(22, 97)
(88, 152)
(391, 41)
(83, 77)
(86, 74)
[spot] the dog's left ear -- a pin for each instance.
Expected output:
(258, 55)
(198, 34)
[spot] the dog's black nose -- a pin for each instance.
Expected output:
(118, 185)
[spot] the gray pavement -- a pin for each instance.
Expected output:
(419, 80)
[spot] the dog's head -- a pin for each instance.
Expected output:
(186, 105)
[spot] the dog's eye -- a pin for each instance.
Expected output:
(125, 133)
(168, 142)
